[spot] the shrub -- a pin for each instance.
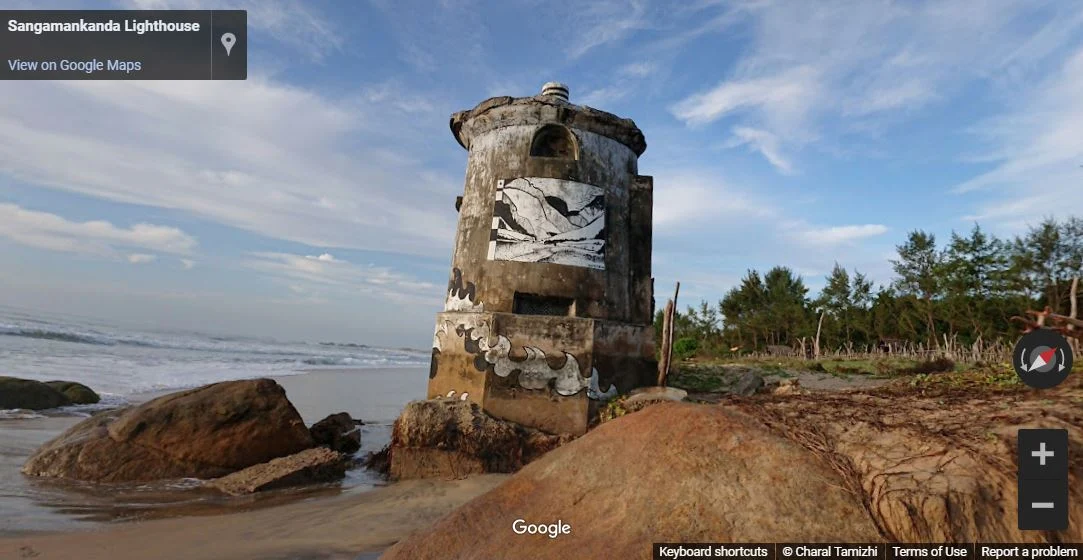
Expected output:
(685, 348)
(613, 409)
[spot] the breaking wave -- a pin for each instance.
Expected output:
(50, 335)
(128, 361)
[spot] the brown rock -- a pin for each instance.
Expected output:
(641, 398)
(29, 394)
(77, 393)
(338, 432)
(669, 473)
(310, 466)
(454, 438)
(894, 465)
(202, 433)
(536, 443)
(788, 387)
(426, 462)
(379, 461)
(638, 399)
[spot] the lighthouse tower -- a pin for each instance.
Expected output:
(549, 303)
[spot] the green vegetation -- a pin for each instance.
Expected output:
(715, 376)
(613, 409)
(964, 292)
(701, 378)
(1000, 376)
(684, 348)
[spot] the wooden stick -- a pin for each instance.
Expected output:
(667, 338)
(816, 341)
(667, 329)
(1073, 313)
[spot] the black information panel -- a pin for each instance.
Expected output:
(124, 44)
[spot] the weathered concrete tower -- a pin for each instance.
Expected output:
(550, 299)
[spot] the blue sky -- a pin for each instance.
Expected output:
(316, 200)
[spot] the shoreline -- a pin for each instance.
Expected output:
(33, 507)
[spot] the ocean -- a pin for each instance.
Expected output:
(127, 365)
(118, 362)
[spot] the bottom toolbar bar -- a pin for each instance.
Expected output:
(876, 551)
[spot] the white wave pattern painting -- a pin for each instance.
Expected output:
(540, 219)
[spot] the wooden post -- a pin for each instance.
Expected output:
(1073, 313)
(667, 338)
(667, 329)
(816, 342)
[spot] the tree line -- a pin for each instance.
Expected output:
(965, 290)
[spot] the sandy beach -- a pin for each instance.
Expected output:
(56, 519)
(355, 525)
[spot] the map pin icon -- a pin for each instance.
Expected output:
(228, 40)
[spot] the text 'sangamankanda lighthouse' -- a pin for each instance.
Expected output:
(550, 301)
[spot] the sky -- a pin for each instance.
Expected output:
(315, 201)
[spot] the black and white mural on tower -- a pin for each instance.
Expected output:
(540, 219)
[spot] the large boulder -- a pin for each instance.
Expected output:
(310, 466)
(858, 467)
(201, 433)
(453, 438)
(30, 395)
(77, 393)
(338, 432)
(672, 472)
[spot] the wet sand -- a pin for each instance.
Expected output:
(358, 525)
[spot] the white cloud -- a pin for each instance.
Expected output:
(188, 264)
(393, 94)
(315, 276)
(638, 69)
(789, 92)
(763, 142)
(893, 96)
(141, 258)
(1036, 151)
(628, 81)
(605, 96)
(869, 62)
(602, 22)
(97, 237)
(276, 160)
(837, 235)
(692, 198)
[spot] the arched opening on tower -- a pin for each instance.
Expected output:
(554, 141)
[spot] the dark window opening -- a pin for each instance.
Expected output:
(554, 141)
(531, 304)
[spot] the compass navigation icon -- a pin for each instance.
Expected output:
(1042, 359)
